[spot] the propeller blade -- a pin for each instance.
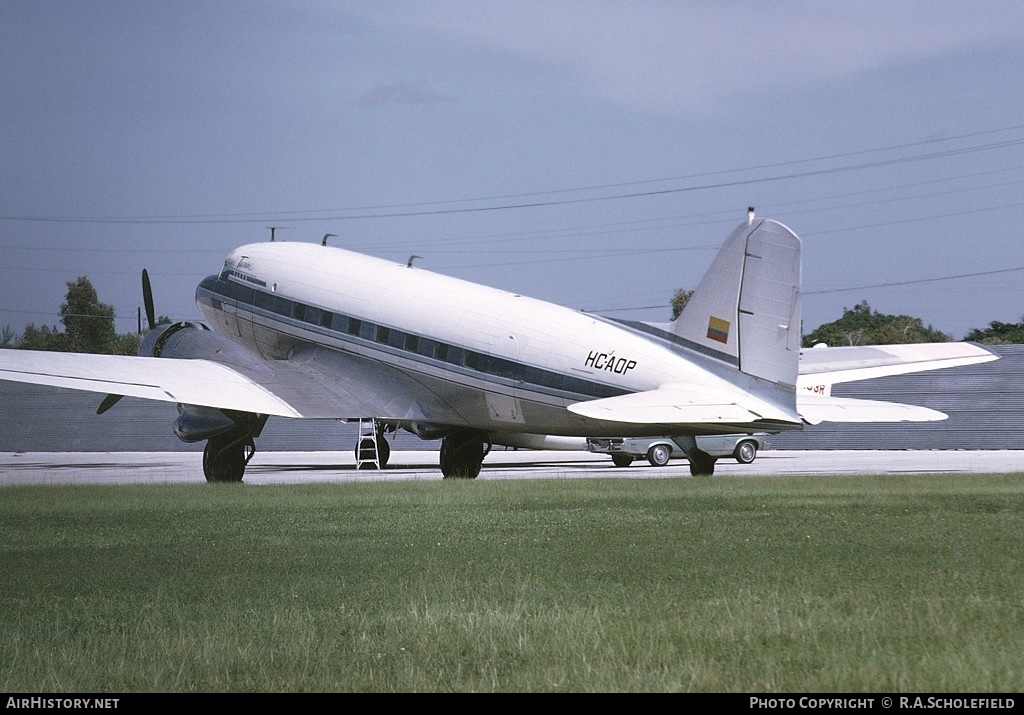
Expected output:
(147, 299)
(108, 402)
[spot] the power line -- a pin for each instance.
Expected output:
(892, 284)
(236, 218)
(917, 281)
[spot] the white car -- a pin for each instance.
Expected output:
(659, 450)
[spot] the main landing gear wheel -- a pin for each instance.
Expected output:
(225, 457)
(702, 464)
(462, 454)
(622, 460)
(659, 454)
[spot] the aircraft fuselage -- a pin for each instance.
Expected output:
(462, 354)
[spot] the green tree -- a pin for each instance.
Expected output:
(88, 323)
(126, 344)
(998, 333)
(863, 326)
(88, 327)
(43, 338)
(679, 300)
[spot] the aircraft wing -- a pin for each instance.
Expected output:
(275, 388)
(829, 366)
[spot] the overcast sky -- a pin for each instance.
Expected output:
(589, 153)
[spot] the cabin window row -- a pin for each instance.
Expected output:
(412, 343)
(229, 273)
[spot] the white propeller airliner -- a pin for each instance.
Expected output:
(312, 331)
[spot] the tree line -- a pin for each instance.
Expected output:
(89, 327)
(861, 325)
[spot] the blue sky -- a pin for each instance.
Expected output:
(589, 153)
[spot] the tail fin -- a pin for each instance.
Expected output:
(746, 310)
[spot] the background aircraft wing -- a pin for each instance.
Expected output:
(828, 366)
(273, 388)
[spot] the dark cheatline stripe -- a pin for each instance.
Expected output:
(348, 328)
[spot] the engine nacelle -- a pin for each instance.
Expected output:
(190, 340)
(187, 340)
(155, 341)
(430, 430)
(196, 423)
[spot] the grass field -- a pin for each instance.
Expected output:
(868, 584)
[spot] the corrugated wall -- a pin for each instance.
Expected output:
(985, 404)
(47, 419)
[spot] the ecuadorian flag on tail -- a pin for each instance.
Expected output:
(718, 329)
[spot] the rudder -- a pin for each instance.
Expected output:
(746, 310)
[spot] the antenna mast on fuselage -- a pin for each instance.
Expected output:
(275, 228)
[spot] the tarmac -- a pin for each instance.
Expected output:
(270, 468)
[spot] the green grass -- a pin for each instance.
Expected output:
(721, 584)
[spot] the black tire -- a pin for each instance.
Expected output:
(659, 455)
(702, 465)
(622, 460)
(462, 455)
(746, 451)
(224, 460)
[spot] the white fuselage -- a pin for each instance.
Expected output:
(468, 355)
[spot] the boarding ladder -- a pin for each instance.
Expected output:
(367, 454)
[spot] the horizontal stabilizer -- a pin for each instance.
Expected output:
(829, 366)
(674, 404)
(815, 409)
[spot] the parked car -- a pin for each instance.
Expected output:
(659, 450)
